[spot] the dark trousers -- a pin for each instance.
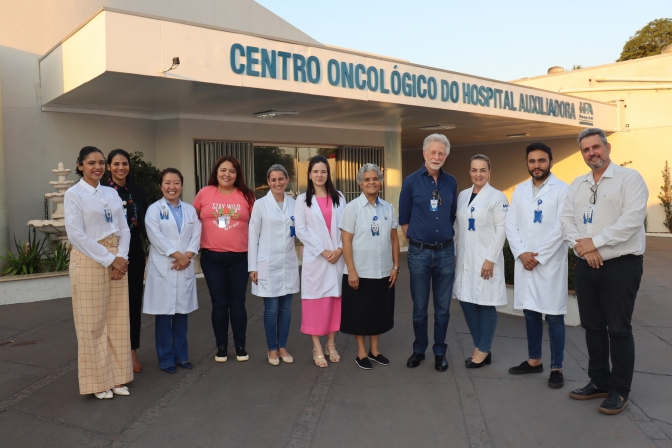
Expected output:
(170, 332)
(606, 299)
(226, 276)
(136, 277)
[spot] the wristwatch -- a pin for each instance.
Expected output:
(397, 268)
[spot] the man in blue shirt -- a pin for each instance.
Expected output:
(427, 207)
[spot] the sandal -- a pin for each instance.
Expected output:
(319, 358)
(333, 354)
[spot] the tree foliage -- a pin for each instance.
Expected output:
(648, 41)
(665, 197)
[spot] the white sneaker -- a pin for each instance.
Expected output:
(123, 390)
(105, 395)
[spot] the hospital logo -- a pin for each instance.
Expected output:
(586, 116)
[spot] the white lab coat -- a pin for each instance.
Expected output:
(169, 291)
(319, 278)
(543, 289)
(485, 243)
(271, 251)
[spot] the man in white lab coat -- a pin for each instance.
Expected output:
(534, 232)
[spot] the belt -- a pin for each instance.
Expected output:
(435, 246)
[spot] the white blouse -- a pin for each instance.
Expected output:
(86, 224)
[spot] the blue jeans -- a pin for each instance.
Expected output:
(277, 316)
(226, 275)
(171, 339)
(482, 321)
(435, 267)
(556, 332)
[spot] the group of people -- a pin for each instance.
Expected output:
(456, 246)
(351, 262)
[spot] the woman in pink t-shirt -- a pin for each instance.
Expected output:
(317, 214)
(224, 207)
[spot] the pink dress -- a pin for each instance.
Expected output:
(321, 316)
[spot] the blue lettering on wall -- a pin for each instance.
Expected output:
(237, 51)
(284, 56)
(262, 62)
(268, 63)
(251, 61)
(333, 72)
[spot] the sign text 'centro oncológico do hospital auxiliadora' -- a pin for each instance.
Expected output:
(264, 63)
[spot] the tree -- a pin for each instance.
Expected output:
(648, 41)
(665, 197)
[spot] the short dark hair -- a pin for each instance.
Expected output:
(172, 171)
(83, 154)
(118, 152)
(540, 146)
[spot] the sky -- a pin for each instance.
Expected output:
(502, 40)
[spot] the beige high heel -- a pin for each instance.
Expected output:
(319, 359)
(332, 354)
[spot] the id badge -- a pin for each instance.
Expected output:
(164, 213)
(108, 215)
(292, 229)
(472, 221)
(434, 205)
(588, 221)
(538, 215)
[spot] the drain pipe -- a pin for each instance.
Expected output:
(4, 227)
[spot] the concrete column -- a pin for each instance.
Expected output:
(4, 225)
(393, 172)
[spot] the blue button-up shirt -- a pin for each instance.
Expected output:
(425, 225)
(177, 214)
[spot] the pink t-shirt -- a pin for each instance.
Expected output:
(225, 219)
(325, 208)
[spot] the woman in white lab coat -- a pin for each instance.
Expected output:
(272, 261)
(174, 231)
(479, 273)
(318, 212)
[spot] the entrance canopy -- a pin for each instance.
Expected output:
(116, 65)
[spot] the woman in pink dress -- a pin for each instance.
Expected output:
(317, 214)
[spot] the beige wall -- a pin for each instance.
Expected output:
(644, 136)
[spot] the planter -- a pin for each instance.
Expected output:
(34, 287)
(571, 318)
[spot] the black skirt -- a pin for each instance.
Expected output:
(369, 310)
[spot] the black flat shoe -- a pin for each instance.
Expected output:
(414, 360)
(380, 359)
(525, 367)
(478, 365)
(613, 405)
(185, 365)
(170, 369)
(588, 392)
(466, 361)
(440, 363)
(364, 363)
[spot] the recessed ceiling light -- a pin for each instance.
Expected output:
(436, 127)
(274, 113)
(524, 134)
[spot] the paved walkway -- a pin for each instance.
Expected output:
(253, 404)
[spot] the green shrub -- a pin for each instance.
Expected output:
(28, 259)
(57, 258)
(509, 266)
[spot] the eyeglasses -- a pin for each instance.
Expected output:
(436, 195)
(593, 197)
